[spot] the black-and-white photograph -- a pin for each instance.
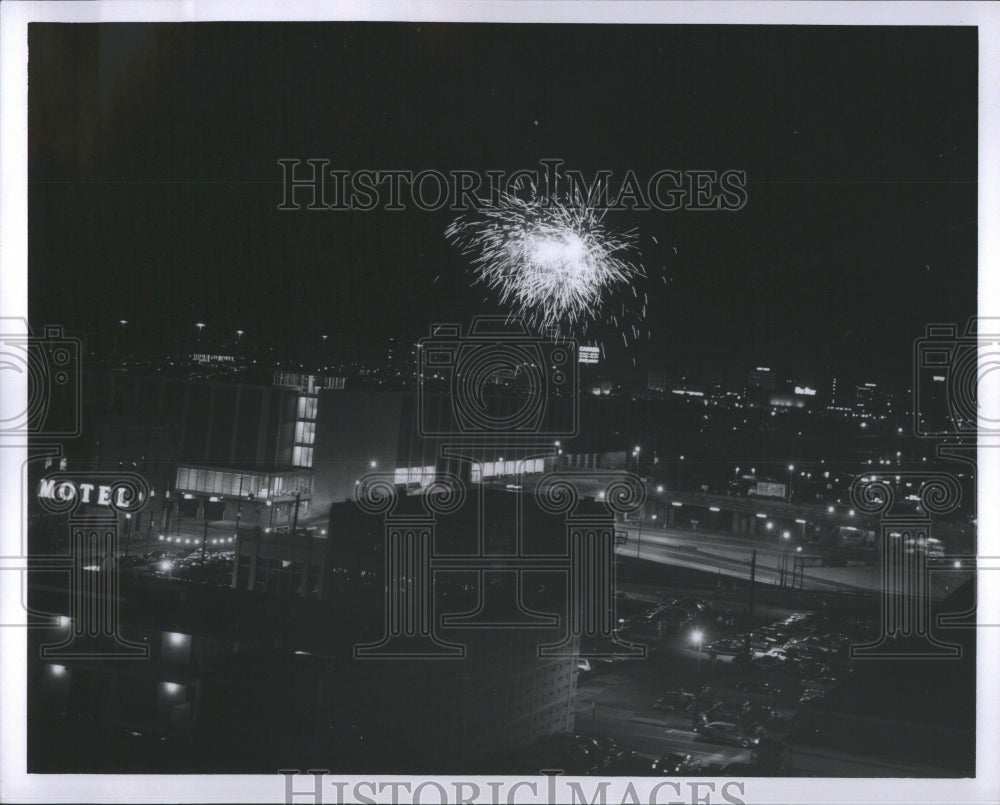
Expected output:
(547, 402)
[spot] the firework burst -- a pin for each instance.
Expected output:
(553, 263)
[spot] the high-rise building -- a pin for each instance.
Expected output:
(658, 381)
(865, 399)
(763, 378)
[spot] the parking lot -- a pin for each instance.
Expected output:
(711, 697)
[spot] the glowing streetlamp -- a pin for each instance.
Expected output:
(697, 636)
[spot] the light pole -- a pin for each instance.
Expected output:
(696, 637)
(791, 477)
(122, 323)
(236, 558)
(638, 544)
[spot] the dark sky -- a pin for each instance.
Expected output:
(154, 182)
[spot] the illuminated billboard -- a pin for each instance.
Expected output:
(769, 490)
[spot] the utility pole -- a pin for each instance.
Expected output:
(753, 578)
(128, 532)
(239, 511)
(295, 515)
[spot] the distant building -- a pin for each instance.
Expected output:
(410, 442)
(763, 378)
(866, 399)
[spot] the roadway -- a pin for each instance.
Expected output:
(730, 555)
(649, 734)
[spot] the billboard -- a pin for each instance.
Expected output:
(768, 489)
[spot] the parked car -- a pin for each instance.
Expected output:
(703, 688)
(671, 763)
(675, 700)
(726, 711)
(754, 714)
(604, 749)
(758, 686)
(813, 696)
(726, 732)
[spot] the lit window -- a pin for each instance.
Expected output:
(305, 432)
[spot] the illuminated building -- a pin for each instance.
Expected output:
(213, 449)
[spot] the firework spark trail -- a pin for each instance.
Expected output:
(553, 263)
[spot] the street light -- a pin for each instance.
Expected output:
(638, 544)
(791, 477)
(696, 637)
(122, 322)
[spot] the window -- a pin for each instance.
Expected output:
(423, 476)
(305, 432)
(307, 407)
(302, 456)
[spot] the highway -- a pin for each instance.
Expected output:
(649, 735)
(729, 555)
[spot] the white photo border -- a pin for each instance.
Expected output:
(18, 786)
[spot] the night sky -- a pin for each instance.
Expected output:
(154, 182)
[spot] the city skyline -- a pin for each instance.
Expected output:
(858, 227)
